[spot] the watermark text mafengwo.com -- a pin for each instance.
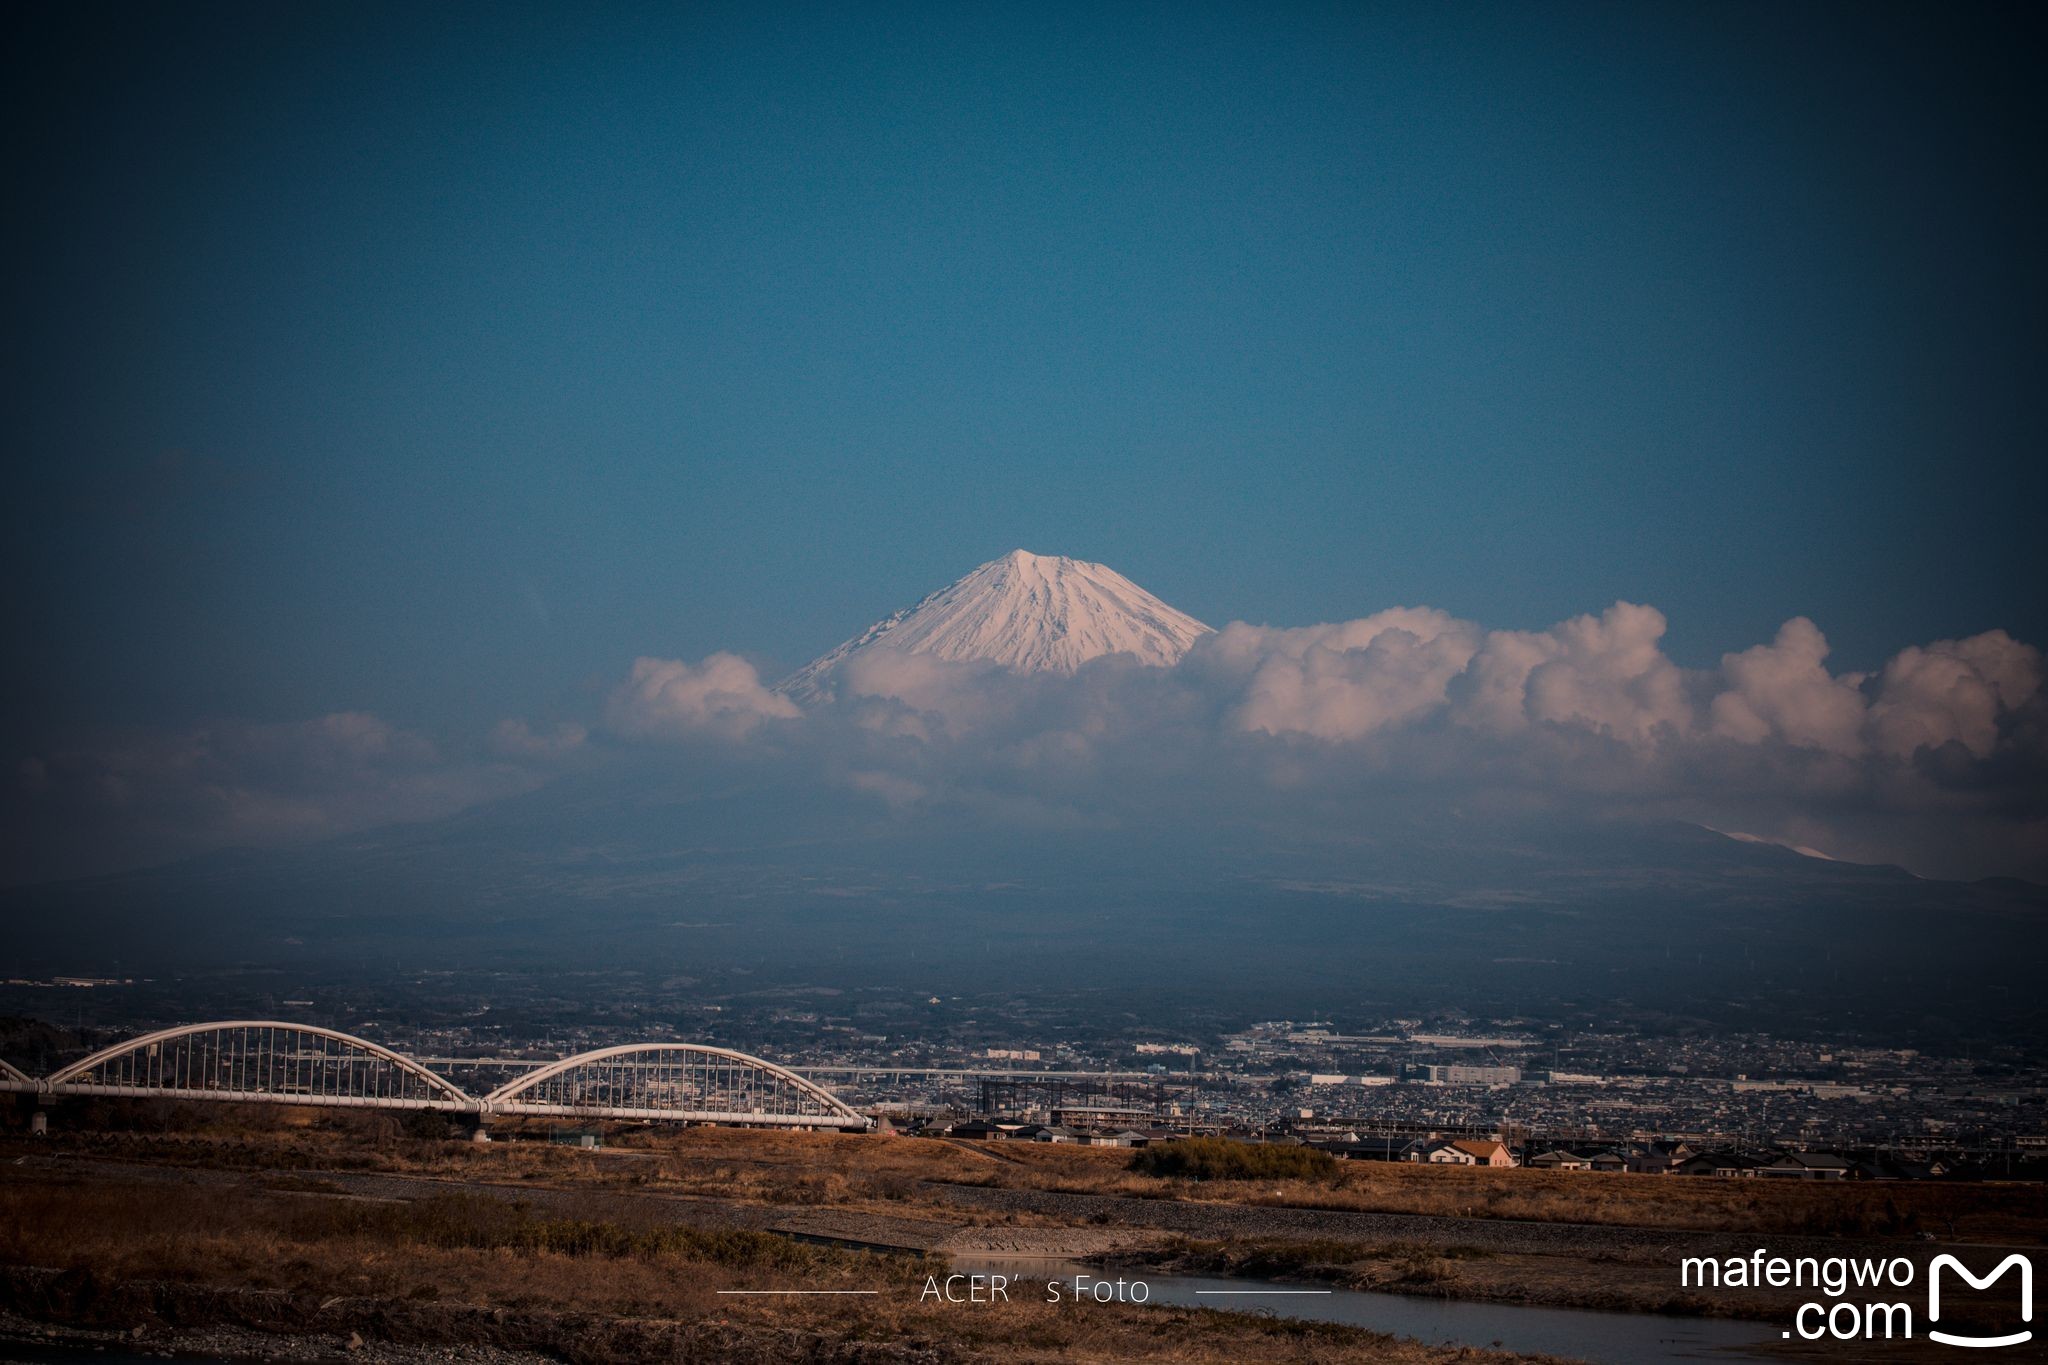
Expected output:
(1860, 1320)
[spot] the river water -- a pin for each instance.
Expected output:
(1578, 1333)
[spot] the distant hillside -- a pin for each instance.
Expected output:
(1668, 921)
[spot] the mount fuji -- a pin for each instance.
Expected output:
(1026, 612)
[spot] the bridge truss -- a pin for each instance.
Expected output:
(667, 1080)
(261, 1061)
(273, 1062)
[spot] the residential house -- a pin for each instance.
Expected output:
(1381, 1149)
(1658, 1158)
(1720, 1163)
(1555, 1160)
(1470, 1152)
(979, 1131)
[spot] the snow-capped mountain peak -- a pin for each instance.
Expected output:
(1032, 613)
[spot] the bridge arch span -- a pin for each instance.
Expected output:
(260, 1060)
(691, 1082)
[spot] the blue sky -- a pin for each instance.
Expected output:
(436, 364)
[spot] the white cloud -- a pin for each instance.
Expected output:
(667, 698)
(930, 694)
(1493, 691)
(1608, 674)
(1318, 724)
(1783, 691)
(1347, 680)
(1953, 691)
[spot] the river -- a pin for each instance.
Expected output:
(1602, 1338)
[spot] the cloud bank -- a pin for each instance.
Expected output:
(669, 698)
(1938, 760)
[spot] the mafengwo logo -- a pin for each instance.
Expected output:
(1855, 1308)
(1948, 1262)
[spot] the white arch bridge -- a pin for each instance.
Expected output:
(266, 1061)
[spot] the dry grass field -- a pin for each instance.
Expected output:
(886, 1173)
(572, 1284)
(303, 1239)
(374, 1215)
(1990, 1212)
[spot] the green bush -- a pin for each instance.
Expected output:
(1222, 1159)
